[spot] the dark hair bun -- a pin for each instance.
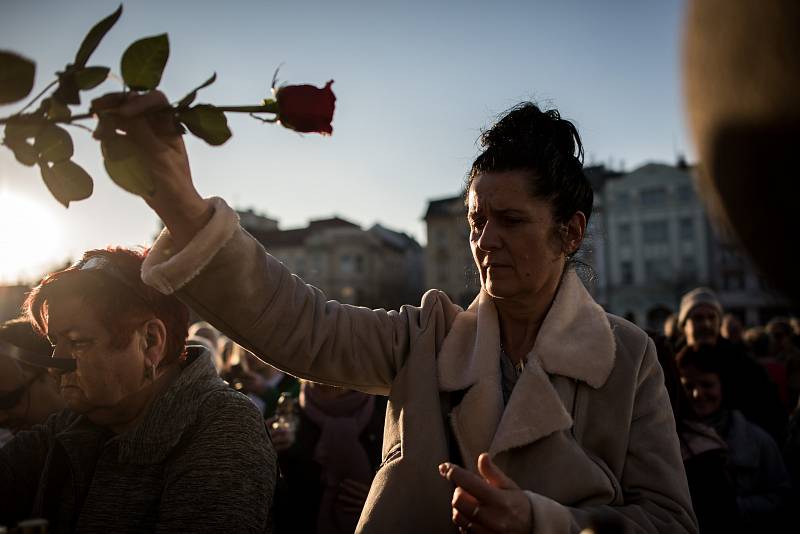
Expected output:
(527, 138)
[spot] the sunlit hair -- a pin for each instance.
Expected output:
(110, 285)
(549, 147)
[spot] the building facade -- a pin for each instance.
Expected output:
(448, 259)
(376, 268)
(647, 243)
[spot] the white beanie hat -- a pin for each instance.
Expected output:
(696, 297)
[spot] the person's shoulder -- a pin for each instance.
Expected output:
(227, 400)
(752, 432)
(436, 305)
(628, 337)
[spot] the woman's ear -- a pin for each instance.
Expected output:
(155, 340)
(573, 233)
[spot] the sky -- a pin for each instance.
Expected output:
(415, 82)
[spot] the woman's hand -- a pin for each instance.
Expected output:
(491, 502)
(149, 122)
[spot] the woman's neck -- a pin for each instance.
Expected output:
(521, 319)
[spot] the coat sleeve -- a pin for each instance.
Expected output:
(227, 277)
(223, 478)
(655, 493)
(22, 461)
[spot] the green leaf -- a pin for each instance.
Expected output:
(94, 37)
(54, 144)
(206, 122)
(24, 126)
(56, 111)
(16, 77)
(144, 61)
(67, 181)
(25, 153)
(187, 100)
(125, 166)
(90, 77)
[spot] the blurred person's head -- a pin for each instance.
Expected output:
(670, 328)
(122, 334)
(780, 334)
(731, 328)
(757, 341)
(795, 323)
(700, 316)
(702, 371)
(28, 393)
(204, 334)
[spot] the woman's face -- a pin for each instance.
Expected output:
(513, 237)
(106, 377)
(704, 389)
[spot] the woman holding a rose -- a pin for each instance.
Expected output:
(531, 411)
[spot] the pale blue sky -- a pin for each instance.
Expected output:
(415, 82)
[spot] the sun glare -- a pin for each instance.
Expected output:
(28, 239)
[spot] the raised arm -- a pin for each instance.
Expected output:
(175, 199)
(228, 278)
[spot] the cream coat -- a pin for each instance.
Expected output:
(588, 430)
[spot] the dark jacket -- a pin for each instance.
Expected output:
(200, 461)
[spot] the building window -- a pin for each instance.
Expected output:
(733, 281)
(623, 199)
(655, 232)
(346, 264)
(625, 234)
(653, 197)
(689, 266)
(686, 229)
(626, 272)
(685, 193)
(359, 263)
(657, 269)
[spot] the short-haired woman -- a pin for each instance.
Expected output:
(152, 439)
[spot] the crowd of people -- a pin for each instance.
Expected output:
(533, 410)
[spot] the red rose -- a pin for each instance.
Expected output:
(306, 108)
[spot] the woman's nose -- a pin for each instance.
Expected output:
(489, 238)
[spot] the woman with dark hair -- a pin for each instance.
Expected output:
(531, 410)
(151, 438)
(757, 470)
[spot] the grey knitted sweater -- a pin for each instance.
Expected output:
(200, 461)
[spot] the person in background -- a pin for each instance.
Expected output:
(731, 328)
(704, 452)
(202, 333)
(263, 382)
(151, 438)
(759, 345)
(759, 475)
(749, 388)
(671, 331)
(329, 458)
(784, 350)
(28, 393)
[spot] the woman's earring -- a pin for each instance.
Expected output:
(150, 372)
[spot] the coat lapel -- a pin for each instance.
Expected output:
(575, 341)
